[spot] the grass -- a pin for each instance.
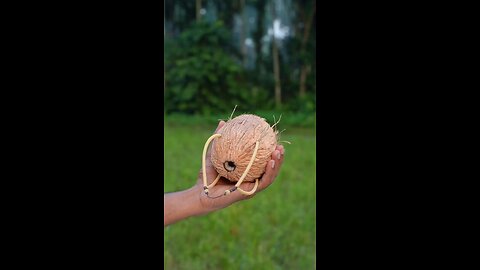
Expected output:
(274, 230)
(289, 119)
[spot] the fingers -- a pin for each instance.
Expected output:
(273, 167)
(272, 170)
(220, 125)
(281, 149)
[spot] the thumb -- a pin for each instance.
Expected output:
(220, 125)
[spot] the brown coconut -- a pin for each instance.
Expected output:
(231, 153)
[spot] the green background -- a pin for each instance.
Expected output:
(207, 72)
(274, 230)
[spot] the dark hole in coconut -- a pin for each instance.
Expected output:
(229, 166)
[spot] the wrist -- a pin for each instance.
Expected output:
(194, 199)
(181, 205)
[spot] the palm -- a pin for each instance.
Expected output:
(217, 190)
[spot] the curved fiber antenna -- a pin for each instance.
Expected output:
(204, 174)
(245, 174)
(237, 186)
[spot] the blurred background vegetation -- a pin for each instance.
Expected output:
(259, 55)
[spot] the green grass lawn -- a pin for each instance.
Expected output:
(274, 230)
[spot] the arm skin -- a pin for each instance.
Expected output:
(181, 205)
(193, 202)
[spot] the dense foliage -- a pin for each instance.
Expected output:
(202, 76)
(209, 68)
(219, 54)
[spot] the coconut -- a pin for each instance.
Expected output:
(233, 150)
(240, 152)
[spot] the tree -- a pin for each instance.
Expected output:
(276, 62)
(306, 67)
(243, 33)
(203, 77)
(198, 7)
(258, 33)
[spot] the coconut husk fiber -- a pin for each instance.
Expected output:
(232, 152)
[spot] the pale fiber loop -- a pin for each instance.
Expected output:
(227, 192)
(214, 182)
(248, 193)
(205, 148)
(249, 166)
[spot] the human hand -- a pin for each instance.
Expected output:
(209, 204)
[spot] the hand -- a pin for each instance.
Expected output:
(209, 205)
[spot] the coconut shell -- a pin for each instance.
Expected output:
(232, 152)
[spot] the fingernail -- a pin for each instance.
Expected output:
(282, 151)
(278, 155)
(273, 164)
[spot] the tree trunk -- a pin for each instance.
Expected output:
(243, 33)
(276, 70)
(303, 80)
(258, 34)
(306, 67)
(198, 5)
(276, 64)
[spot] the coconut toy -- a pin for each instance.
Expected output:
(240, 152)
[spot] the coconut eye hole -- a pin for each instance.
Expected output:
(229, 166)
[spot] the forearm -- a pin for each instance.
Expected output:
(181, 205)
